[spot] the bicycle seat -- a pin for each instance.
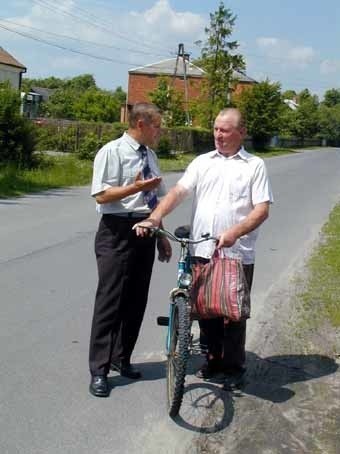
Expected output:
(183, 231)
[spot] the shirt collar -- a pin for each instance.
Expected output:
(241, 154)
(131, 141)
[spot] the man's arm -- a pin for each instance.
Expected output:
(255, 218)
(173, 198)
(120, 192)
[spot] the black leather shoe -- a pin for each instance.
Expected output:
(126, 370)
(99, 386)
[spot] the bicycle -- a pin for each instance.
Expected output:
(179, 337)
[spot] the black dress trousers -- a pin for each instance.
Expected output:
(124, 264)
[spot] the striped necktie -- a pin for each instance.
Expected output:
(149, 197)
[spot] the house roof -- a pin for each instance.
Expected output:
(167, 67)
(7, 59)
(45, 93)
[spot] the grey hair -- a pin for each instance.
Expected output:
(241, 121)
(145, 111)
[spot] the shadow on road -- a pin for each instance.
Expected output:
(268, 378)
(151, 371)
(207, 408)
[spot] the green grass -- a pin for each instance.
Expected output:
(65, 171)
(273, 152)
(180, 162)
(175, 163)
(321, 295)
(52, 172)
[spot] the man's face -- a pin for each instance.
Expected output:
(151, 132)
(227, 134)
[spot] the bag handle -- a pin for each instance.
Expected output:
(221, 254)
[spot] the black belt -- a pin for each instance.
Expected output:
(129, 215)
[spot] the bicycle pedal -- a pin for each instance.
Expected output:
(163, 321)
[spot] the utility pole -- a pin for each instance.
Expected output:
(181, 55)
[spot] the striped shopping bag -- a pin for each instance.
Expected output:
(219, 289)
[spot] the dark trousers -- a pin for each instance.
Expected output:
(226, 341)
(124, 264)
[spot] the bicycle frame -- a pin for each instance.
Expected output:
(178, 339)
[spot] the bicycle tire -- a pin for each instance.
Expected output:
(178, 354)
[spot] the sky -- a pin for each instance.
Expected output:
(295, 43)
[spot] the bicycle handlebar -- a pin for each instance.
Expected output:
(171, 236)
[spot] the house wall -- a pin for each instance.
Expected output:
(140, 85)
(11, 74)
(241, 86)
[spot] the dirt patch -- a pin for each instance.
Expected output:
(290, 398)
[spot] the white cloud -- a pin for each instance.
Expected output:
(161, 15)
(329, 67)
(286, 52)
(163, 26)
(140, 38)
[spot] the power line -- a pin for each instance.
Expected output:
(93, 23)
(25, 35)
(80, 40)
(68, 49)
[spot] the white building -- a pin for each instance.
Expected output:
(10, 69)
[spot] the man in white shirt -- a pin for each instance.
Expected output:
(126, 183)
(232, 195)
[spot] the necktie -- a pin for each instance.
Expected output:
(149, 197)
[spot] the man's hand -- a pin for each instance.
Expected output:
(146, 185)
(164, 249)
(227, 239)
(143, 228)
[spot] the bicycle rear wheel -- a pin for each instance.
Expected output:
(178, 354)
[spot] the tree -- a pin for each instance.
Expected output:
(219, 60)
(289, 94)
(329, 123)
(261, 106)
(61, 104)
(16, 133)
(97, 105)
(332, 97)
(81, 83)
(302, 122)
(169, 102)
(80, 99)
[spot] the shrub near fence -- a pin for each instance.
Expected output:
(86, 138)
(72, 136)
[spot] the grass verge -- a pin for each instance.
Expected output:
(51, 172)
(65, 171)
(321, 296)
(179, 162)
(316, 307)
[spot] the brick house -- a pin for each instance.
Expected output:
(144, 79)
(10, 69)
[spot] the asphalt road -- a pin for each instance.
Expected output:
(47, 281)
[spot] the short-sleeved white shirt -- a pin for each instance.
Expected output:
(117, 164)
(226, 189)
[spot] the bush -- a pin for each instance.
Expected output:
(17, 137)
(89, 146)
(164, 146)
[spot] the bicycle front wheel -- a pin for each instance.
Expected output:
(178, 354)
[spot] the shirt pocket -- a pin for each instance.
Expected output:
(239, 188)
(128, 175)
